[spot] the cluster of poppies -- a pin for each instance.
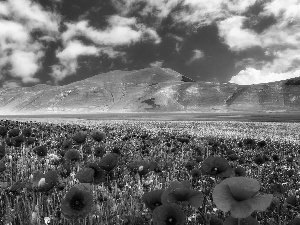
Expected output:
(198, 177)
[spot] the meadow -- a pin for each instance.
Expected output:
(89, 171)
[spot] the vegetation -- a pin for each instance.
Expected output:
(132, 172)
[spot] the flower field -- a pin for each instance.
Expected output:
(67, 171)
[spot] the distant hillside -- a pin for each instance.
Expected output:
(150, 89)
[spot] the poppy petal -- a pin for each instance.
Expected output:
(196, 198)
(242, 188)
(241, 209)
(222, 197)
(260, 202)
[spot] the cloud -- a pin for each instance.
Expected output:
(156, 64)
(68, 59)
(235, 36)
(254, 76)
(197, 54)
(21, 52)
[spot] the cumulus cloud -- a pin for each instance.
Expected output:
(254, 76)
(197, 54)
(156, 64)
(20, 53)
(68, 59)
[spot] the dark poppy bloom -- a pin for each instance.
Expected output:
(233, 157)
(65, 169)
(240, 196)
(99, 151)
(17, 187)
(153, 166)
(183, 140)
(290, 172)
(77, 203)
(13, 132)
(116, 150)
(19, 138)
(295, 221)
(216, 166)
(277, 189)
(67, 144)
(261, 144)
(230, 152)
(30, 140)
(196, 173)
(73, 155)
(275, 157)
(290, 159)
(86, 175)
(109, 162)
(79, 137)
(259, 160)
(99, 174)
(292, 200)
(98, 135)
(249, 141)
(239, 171)
(3, 131)
(190, 165)
(152, 199)
(241, 161)
(40, 151)
(182, 192)
(26, 132)
(141, 167)
(9, 141)
(214, 220)
(44, 182)
(2, 166)
(171, 214)
(2, 151)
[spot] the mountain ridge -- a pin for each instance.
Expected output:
(150, 90)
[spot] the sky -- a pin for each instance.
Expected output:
(58, 42)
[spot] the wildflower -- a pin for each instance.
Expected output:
(98, 136)
(3, 131)
(259, 160)
(240, 196)
(239, 171)
(109, 162)
(196, 173)
(13, 132)
(72, 155)
(26, 132)
(44, 182)
(190, 165)
(168, 214)
(77, 203)
(277, 189)
(2, 151)
(99, 151)
(233, 157)
(47, 220)
(85, 175)
(40, 151)
(217, 166)
(67, 144)
(136, 165)
(295, 221)
(79, 137)
(152, 199)
(183, 140)
(292, 200)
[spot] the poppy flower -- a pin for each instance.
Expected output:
(116, 150)
(243, 221)
(109, 162)
(3, 131)
(40, 151)
(292, 200)
(99, 174)
(98, 136)
(85, 175)
(2, 151)
(190, 165)
(214, 220)
(290, 159)
(44, 182)
(241, 161)
(239, 171)
(30, 140)
(249, 141)
(233, 157)
(168, 214)
(73, 155)
(77, 203)
(9, 141)
(79, 137)
(261, 144)
(240, 196)
(277, 189)
(183, 140)
(99, 151)
(13, 132)
(196, 173)
(216, 166)
(141, 167)
(259, 160)
(67, 144)
(153, 166)
(275, 157)
(152, 199)
(26, 132)
(182, 192)
(295, 221)
(290, 172)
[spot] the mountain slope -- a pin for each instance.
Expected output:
(150, 89)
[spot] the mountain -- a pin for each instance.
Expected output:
(150, 90)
